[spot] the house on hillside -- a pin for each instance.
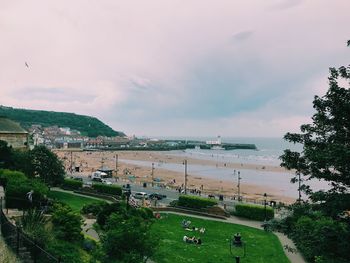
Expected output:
(13, 133)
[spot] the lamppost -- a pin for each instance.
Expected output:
(185, 163)
(265, 196)
(237, 247)
(152, 174)
(239, 186)
(127, 194)
(116, 165)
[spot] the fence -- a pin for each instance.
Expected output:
(22, 245)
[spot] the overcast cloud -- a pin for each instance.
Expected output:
(173, 68)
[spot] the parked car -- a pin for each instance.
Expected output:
(99, 180)
(104, 181)
(87, 184)
(157, 196)
(78, 179)
(126, 188)
(140, 195)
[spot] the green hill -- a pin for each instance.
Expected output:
(89, 126)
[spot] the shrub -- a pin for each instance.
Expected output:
(93, 208)
(108, 209)
(174, 203)
(255, 212)
(108, 189)
(67, 224)
(7, 175)
(323, 237)
(72, 184)
(33, 223)
(68, 251)
(17, 187)
(195, 202)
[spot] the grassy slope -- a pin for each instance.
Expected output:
(74, 201)
(262, 247)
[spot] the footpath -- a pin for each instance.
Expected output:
(294, 257)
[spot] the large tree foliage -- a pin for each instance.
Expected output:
(5, 155)
(47, 166)
(326, 145)
(87, 125)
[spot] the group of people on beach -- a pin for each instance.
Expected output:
(181, 190)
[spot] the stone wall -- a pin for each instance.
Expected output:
(16, 140)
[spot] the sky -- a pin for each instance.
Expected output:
(246, 68)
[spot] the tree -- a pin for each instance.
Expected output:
(128, 240)
(67, 224)
(47, 166)
(326, 146)
(5, 155)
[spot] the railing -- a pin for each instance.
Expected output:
(22, 245)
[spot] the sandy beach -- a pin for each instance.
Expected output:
(90, 161)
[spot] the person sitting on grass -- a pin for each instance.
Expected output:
(185, 223)
(198, 241)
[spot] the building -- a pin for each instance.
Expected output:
(13, 134)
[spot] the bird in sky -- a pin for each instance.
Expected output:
(26, 64)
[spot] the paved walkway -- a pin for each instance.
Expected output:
(285, 241)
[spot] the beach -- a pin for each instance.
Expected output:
(137, 166)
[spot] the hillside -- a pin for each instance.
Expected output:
(89, 126)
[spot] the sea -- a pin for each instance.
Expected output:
(268, 152)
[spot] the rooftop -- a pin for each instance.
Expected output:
(9, 126)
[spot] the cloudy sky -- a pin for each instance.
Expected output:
(173, 67)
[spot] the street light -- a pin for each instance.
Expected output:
(239, 186)
(127, 195)
(237, 247)
(265, 196)
(185, 163)
(152, 174)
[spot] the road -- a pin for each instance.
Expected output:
(171, 194)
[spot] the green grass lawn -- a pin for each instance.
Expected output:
(261, 246)
(76, 202)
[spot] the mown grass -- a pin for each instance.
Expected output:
(76, 202)
(261, 246)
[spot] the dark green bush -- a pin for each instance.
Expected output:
(72, 184)
(17, 187)
(255, 212)
(8, 175)
(195, 202)
(174, 203)
(108, 209)
(94, 208)
(67, 224)
(69, 252)
(323, 237)
(108, 189)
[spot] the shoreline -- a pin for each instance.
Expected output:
(91, 161)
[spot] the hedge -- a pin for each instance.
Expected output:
(72, 184)
(8, 175)
(107, 189)
(195, 202)
(255, 212)
(17, 187)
